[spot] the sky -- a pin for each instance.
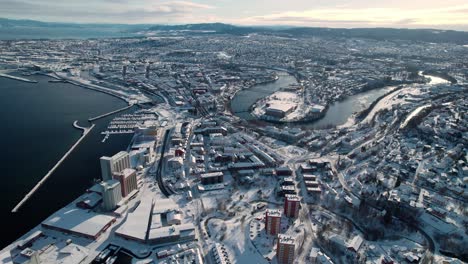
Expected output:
(447, 14)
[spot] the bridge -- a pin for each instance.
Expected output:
(86, 131)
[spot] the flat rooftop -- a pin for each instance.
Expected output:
(68, 254)
(136, 225)
(274, 212)
(291, 197)
(126, 172)
(179, 231)
(164, 205)
(78, 221)
(119, 155)
(281, 107)
(285, 239)
(212, 174)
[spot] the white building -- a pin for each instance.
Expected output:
(174, 218)
(27, 256)
(116, 163)
(111, 194)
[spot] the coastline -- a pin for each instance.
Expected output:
(70, 169)
(87, 86)
(16, 78)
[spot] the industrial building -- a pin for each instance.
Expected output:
(280, 110)
(79, 222)
(156, 222)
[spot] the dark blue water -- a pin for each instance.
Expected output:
(35, 131)
(17, 33)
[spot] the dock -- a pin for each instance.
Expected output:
(110, 113)
(86, 131)
(16, 78)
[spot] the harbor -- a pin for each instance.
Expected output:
(127, 123)
(4, 75)
(110, 113)
(51, 171)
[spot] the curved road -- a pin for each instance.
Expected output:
(166, 191)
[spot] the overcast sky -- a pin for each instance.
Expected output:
(447, 14)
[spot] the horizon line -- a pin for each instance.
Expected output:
(218, 22)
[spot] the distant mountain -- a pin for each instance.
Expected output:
(425, 35)
(219, 28)
(31, 29)
(12, 23)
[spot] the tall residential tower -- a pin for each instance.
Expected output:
(116, 163)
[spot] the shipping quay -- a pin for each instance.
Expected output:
(110, 113)
(86, 130)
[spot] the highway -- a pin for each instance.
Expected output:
(166, 191)
(51, 171)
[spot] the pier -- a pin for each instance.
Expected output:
(17, 78)
(110, 113)
(90, 86)
(86, 131)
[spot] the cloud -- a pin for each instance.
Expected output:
(323, 13)
(406, 21)
(375, 17)
(306, 20)
(120, 11)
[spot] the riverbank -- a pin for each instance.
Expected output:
(242, 100)
(335, 114)
(363, 114)
(441, 75)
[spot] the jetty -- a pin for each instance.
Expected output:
(110, 113)
(4, 75)
(86, 131)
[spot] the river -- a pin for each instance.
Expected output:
(435, 80)
(338, 113)
(36, 131)
(244, 99)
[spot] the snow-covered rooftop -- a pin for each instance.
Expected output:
(79, 221)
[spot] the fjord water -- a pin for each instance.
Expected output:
(17, 33)
(36, 130)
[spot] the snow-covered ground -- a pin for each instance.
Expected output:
(283, 100)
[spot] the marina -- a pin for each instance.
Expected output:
(127, 123)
